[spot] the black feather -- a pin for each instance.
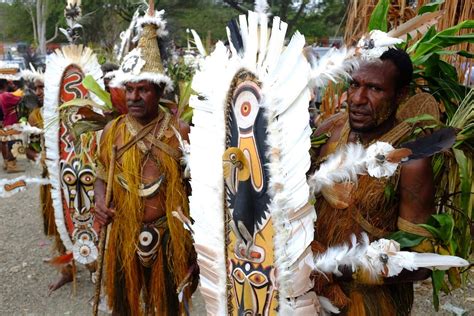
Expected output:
(235, 36)
(427, 146)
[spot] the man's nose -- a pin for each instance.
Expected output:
(133, 95)
(359, 96)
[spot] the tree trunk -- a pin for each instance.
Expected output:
(33, 22)
(298, 14)
(41, 18)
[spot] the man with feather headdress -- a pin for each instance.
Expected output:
(149, 255)
(375, 206)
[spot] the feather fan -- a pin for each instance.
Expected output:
(427, 146)
(381, 258)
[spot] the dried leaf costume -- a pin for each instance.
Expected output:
(374, 210)
(145, 262)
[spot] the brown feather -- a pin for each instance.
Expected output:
(419, 24)
(397, 155)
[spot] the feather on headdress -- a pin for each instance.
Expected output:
(144, 61)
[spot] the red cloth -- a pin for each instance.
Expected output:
(8, 103)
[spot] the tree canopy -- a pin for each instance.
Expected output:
(103, 20)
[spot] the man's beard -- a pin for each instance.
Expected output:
(363, 129)
(387, 111)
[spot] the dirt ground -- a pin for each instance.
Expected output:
(24, 277)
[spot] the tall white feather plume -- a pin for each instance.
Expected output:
(207, 142)
(284, 73)
(198, 43)
(381, 258)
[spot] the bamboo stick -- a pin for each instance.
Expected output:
(103, 233)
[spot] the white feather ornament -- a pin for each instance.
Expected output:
(381, 258)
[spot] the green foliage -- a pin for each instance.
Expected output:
(15, 23)
(378, 19)
(438, 77)
(90, 84)
(318, 141)
(180, 71)
(433, 42)
(420, 118)
(430, 7)
(185, 112)
(206, 20)
(406, 240)
(324, 20)
(437, 280)
(103, 20)
(441, 226)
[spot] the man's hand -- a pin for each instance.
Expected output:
(103, 215)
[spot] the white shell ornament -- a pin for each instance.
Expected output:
(84, 251)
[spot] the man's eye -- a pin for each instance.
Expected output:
(377, 89)
(353, 85)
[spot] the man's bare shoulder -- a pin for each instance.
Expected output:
(112, 124)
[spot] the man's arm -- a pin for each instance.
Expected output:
(417, 191)
(416, 206)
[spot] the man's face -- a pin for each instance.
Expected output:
(142, 100)
(372, 95)
(11, 86)
(39, 91)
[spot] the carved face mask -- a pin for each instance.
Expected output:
(78, 185)
(253, 286)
